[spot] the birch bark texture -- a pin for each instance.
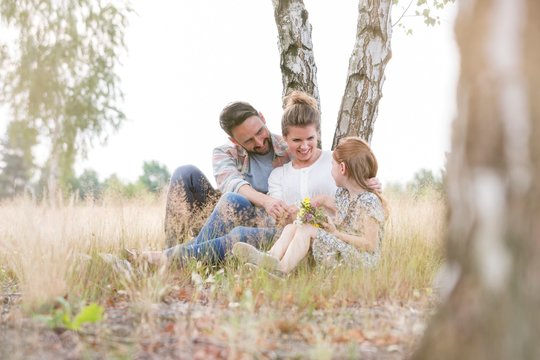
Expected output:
(297, 61)
(492, 310)
(365, 76)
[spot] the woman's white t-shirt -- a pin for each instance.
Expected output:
(293, 185)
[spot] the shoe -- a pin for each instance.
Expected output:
(249, 254)
(274, 274)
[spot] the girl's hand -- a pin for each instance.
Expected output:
(318, 200)
(325, 201)
(329, 226)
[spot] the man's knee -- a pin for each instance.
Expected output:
(238, 232)
(233, 199)
(243, 234)
(258, 237)
(185, 173)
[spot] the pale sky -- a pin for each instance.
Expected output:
(186, 61)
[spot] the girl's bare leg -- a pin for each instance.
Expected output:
(281, 244)
(298, 248)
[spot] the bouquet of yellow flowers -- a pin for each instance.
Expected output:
(310, 214)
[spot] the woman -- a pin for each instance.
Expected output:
(307, 174)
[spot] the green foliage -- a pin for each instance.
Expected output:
(57, 72)
(62, 316)
(425, 182)
(428, 10)
(154, 176)
(113, 185)
(116, 188)
(88, 185)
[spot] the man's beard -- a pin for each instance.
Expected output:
(262, 150)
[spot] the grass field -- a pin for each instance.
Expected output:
(201, 312)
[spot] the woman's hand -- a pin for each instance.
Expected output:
(276, 208)
(293, 210)
(288, 217)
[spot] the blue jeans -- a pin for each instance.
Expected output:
(189, 191)
(234, 219)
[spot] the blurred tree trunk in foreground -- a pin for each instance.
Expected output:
(494, 189)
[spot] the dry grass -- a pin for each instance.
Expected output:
(50, 252)
(44, 247)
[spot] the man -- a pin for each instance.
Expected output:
(242, 167)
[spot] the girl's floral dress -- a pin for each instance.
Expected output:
(352, 213)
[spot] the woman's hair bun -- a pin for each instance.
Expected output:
(299, 98)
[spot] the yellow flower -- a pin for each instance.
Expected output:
(309, 214)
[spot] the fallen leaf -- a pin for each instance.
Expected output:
(169, 327)
(386, 339)
(356, 335)
(259, 300)
(184, 294)
(238, 291)
(287, 326)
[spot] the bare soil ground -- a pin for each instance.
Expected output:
(193, 323)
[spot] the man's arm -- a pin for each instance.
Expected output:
(225, 166)
(230, 179)
(274, 207)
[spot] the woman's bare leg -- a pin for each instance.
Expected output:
(298, 248)
(281, 244)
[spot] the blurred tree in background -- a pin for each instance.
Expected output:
(17, 163)
(57, 77)
(88, 185)
(155, 176)
(425, 181)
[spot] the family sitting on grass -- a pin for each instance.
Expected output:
(264, 179)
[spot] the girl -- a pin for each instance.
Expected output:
(355, 234)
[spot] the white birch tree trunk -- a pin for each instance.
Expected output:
(298, 68)
(493, 311)
(365, 77)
